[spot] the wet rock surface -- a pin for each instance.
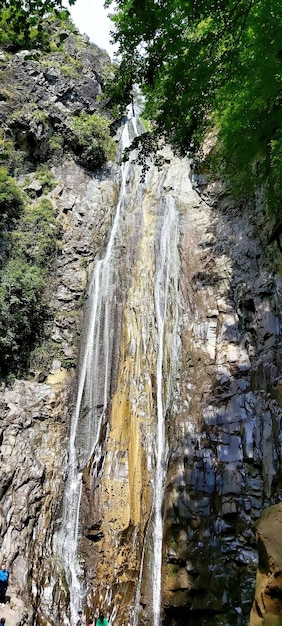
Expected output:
(33, 461)
(225, 469)
(223, 423)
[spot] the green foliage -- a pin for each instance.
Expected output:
(66, 64)
(71, 68)
(43, 355)
(21, 23)
(11, 200)
(45, 177)
(28, 109)
(22, 311)
(205, 62)
(147, 146)
(91, 140)
(35, 239)
(56, 144)
(23, 307)
(248, 111)
(10, 157)
(274, 180)
(177, 50)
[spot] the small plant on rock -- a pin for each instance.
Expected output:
(91, 141)
(11, 200)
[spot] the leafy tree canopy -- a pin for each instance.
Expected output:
(204, 63)
(21, 23)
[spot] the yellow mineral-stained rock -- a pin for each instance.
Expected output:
(126, 486)
(267, 606)
(57, 378)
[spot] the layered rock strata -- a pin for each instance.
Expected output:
(224, 458)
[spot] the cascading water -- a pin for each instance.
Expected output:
(165, 294)
(146, 226)
(93, 394)
(166, 317)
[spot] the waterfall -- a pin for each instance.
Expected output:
(100, 343)
(166, 279)
(93, 394)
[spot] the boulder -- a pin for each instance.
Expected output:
(267, 606)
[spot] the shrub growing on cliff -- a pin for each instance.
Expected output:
(11, 200)
(10, 157)
(91, 141)
(45, 177)
(23, 307)
(35, 239)
(22, 312)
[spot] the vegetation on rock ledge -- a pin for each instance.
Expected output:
(11, 201)
(91, 140)
(30, 251)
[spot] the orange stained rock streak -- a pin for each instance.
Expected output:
(126, 484)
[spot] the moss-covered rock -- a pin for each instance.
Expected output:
(43, 90)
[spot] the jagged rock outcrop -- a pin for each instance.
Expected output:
(33, 451)
(35, 414)
(42, 92)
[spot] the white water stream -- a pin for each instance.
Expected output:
(92, 396)
(166, 283)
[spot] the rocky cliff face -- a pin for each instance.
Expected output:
(191, 411)
(222, 418)
(43, 92)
